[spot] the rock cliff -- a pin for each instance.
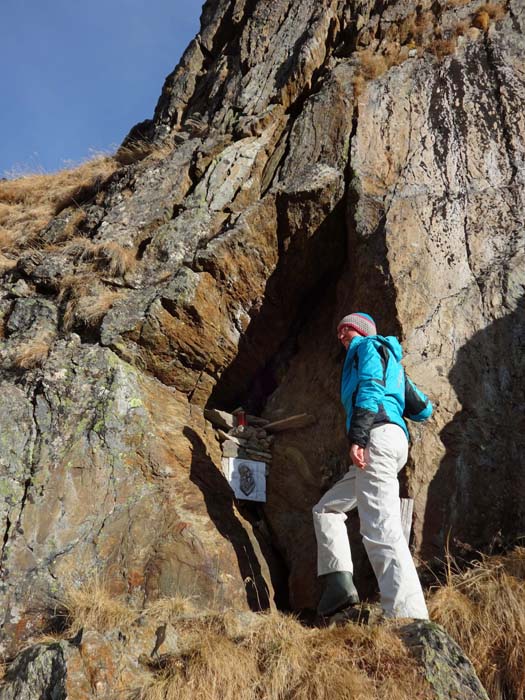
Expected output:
(305, 159)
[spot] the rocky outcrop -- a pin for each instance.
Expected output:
(445, 666)
(305, 159)
(109, 470)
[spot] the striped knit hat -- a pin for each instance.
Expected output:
(360, 322)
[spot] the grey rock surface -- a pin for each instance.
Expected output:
(447, 669)
(39, 672)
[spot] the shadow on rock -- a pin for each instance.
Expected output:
(219, 500)
(476, 497)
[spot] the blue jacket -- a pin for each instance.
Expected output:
(375, 389)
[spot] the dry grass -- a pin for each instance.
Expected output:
(92, 308)
(279, 659)
(494, 11)
(443, 47)
(372, 65)
(72, 227)
(419, 30)
(414, 27)
(28, 203)
(481, 20)
(274, 657)
(86, 301)
(116, 259)
(94, 606)
(461, 28)
(6, 263)
(34, 352)
(483, 609)
(138, 150)
(110, 256)
(487, 14)
(215, 668)
(169, 609)
(456, 3)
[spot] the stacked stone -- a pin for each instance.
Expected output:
(247, 442)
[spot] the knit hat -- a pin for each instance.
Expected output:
(360, 322)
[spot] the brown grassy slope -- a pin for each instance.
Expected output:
(280, 659)
(276, 658)
(28, 203)
(483, 609)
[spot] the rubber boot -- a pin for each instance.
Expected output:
(339, 592)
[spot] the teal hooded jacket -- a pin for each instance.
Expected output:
(376, 390)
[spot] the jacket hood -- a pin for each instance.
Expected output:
(391, 342)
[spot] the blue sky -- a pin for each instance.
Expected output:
(76, 76)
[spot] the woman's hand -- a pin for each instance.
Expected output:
(357, 455)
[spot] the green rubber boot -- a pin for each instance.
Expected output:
(339, 592)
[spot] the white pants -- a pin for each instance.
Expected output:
(375, 491)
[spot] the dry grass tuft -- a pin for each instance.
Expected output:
(94, 606)
(420, 30)
(6, 263)
(414, 27)
(28, 203)
(494, 11)
(72, 227)
(216, 667)
(307, 664)
(86, 300)
(277, 658)
(443, 47)
(138, 150)
(487, 14)
(461, 28)
(371, 65)
(481, 20)
(116, 259)
(110, 256)
(407, 28)
(169, 609)
(483, 609)
(79, 249)
(134, 151)
(34, 352)
(92, 308)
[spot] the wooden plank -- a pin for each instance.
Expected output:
(407, 509)
(302, 420)
(258, 454)
(256, 421)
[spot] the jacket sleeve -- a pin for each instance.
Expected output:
(369, 394)
(417, 406)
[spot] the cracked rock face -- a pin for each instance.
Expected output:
(305, 160)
